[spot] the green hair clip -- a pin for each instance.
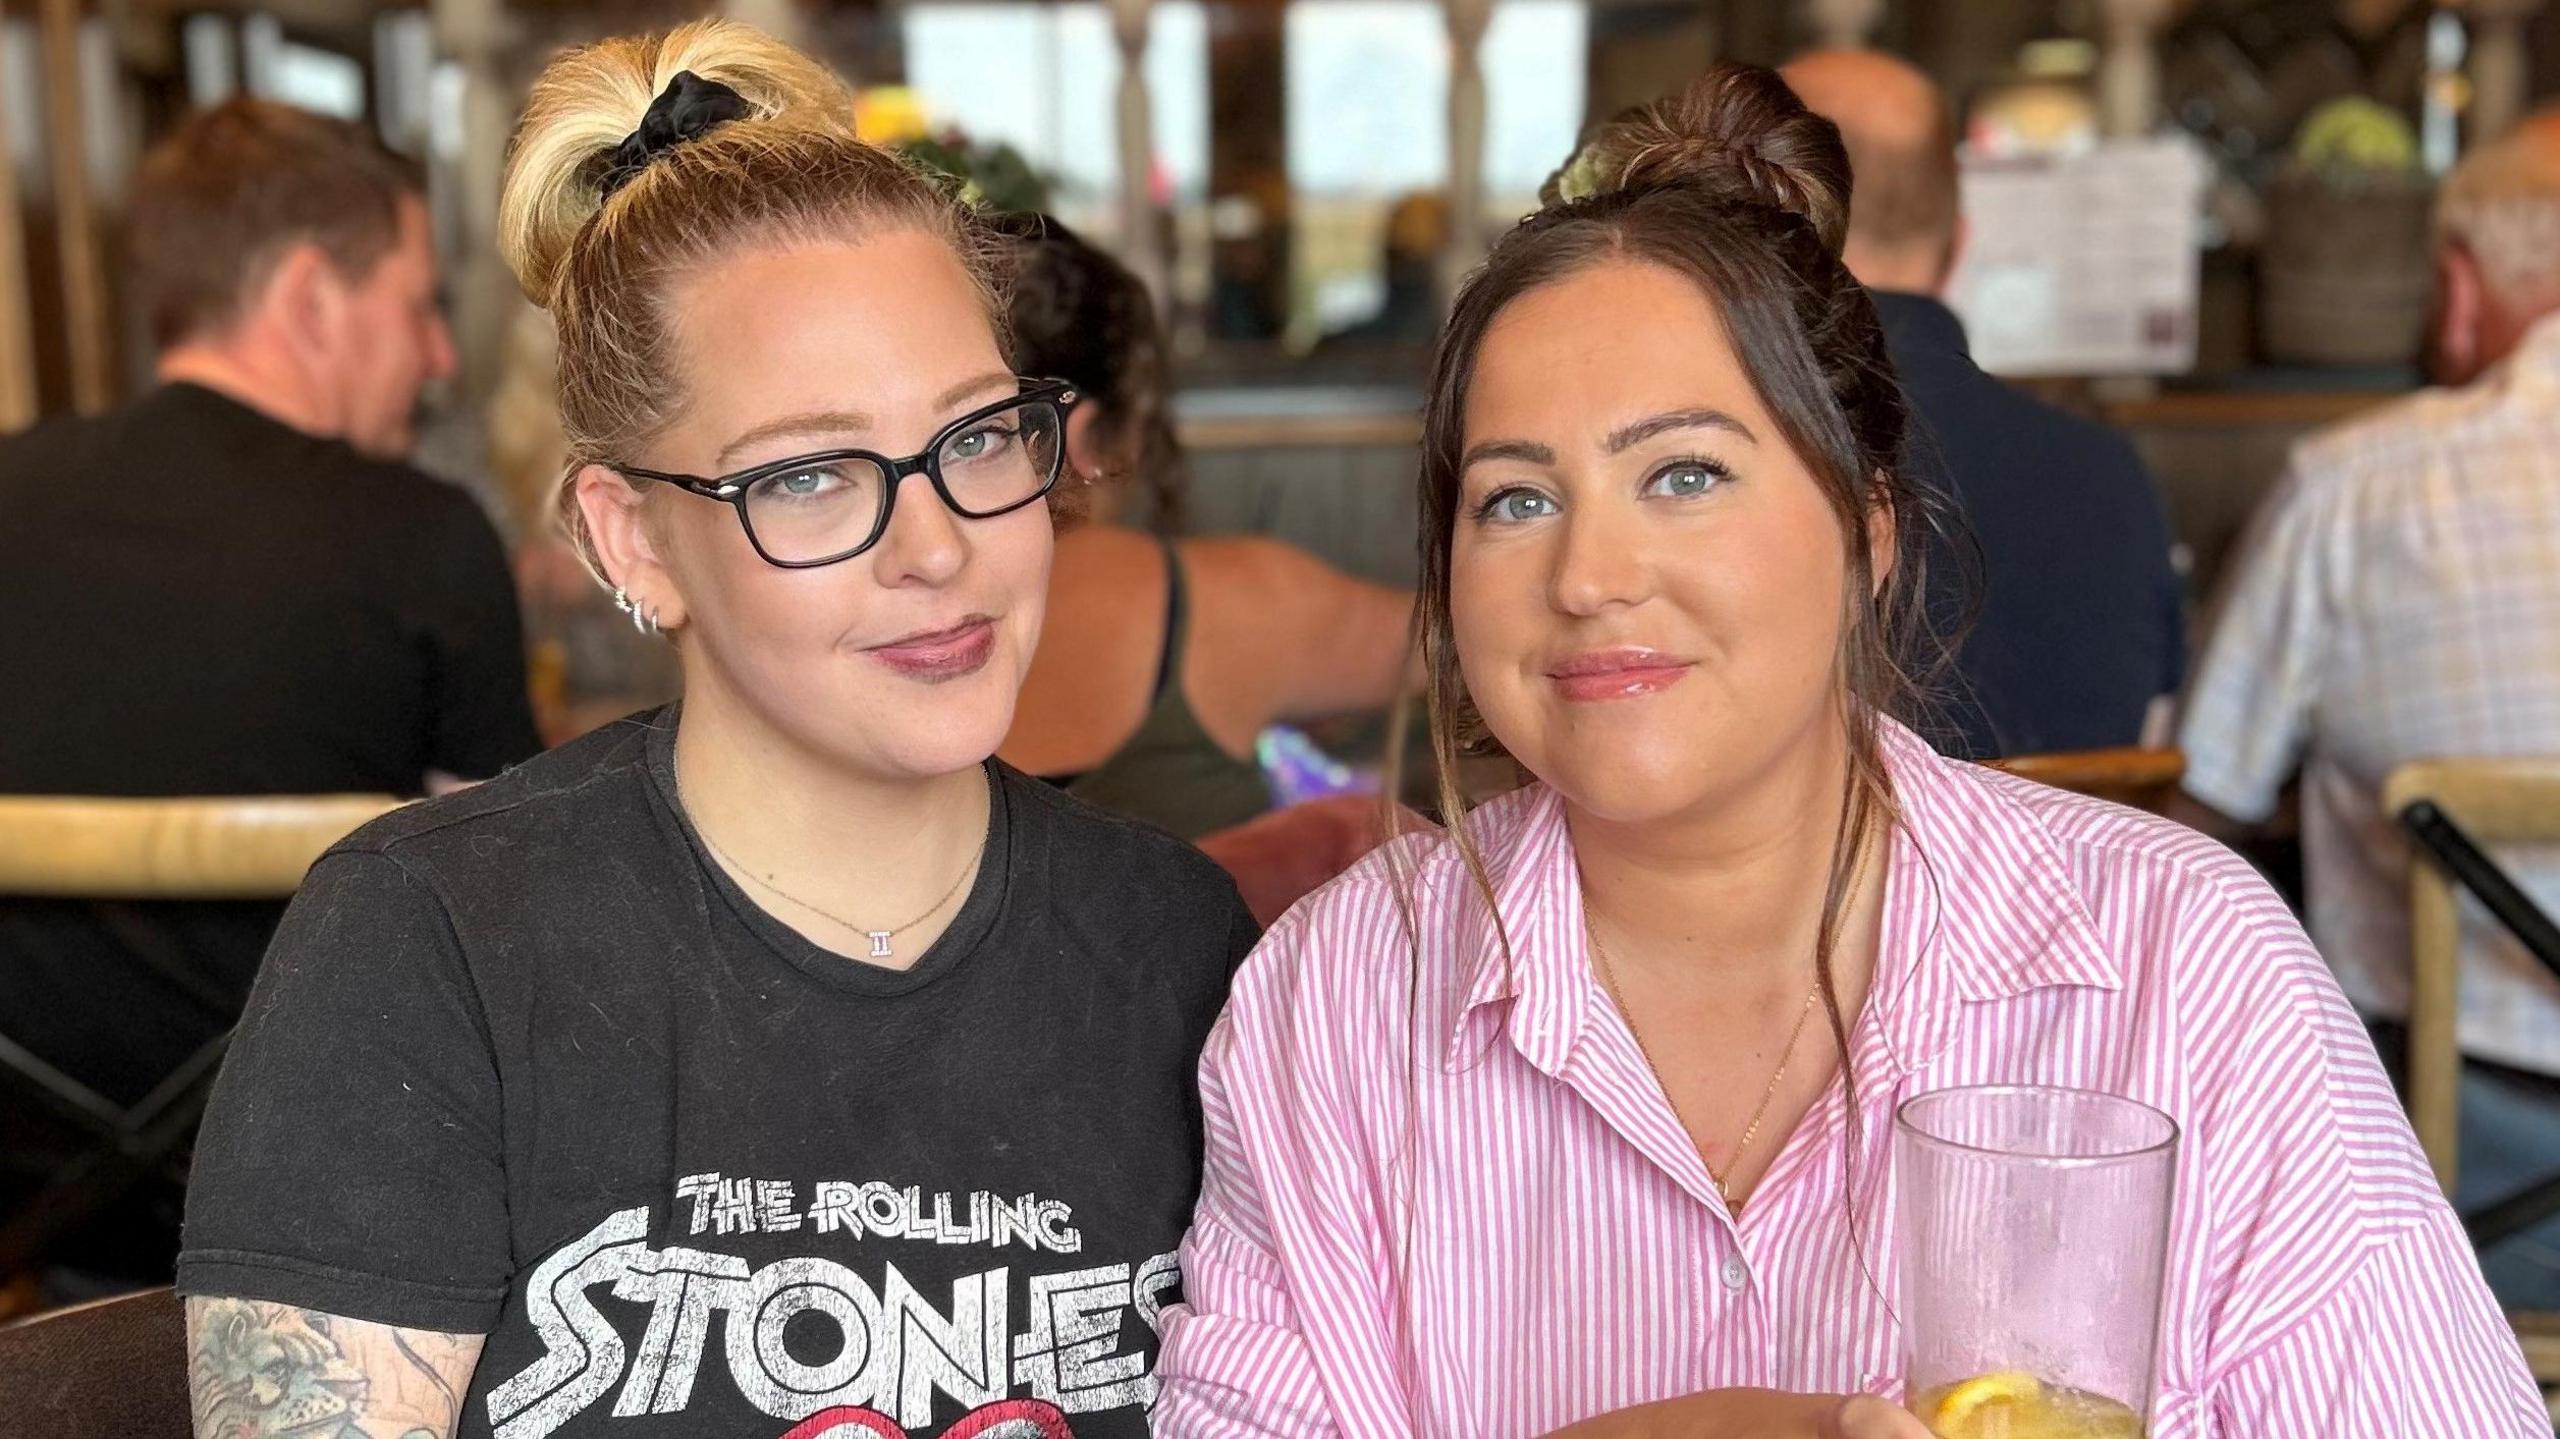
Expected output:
(1580, 178)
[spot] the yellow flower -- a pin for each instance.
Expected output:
(890, 115)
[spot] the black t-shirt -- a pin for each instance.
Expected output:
(203, 601)
(523, 1061)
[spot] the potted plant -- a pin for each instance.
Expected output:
(2345, 274)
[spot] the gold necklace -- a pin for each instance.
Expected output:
(1609, 977)
(879, 937)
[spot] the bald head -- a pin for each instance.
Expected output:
(2498, 247)
(1902, 161)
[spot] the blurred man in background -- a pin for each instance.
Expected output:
(2398, 598)
(235, 585)
(2081, 627)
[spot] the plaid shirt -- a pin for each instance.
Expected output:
(2399, 598)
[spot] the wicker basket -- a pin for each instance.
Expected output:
(2346, 274)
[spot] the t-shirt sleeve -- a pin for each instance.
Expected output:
(481, 716)
(351, 1158)
(1243, 931)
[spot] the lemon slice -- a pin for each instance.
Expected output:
(1959, 1404)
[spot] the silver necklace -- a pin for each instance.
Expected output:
(879, 937)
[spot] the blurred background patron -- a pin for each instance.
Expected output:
(235, 585)
(2080, 627)
(2399, 598)
(1164, 657)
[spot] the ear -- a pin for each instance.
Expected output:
(308, 300)
(2460, 301)
(1088, 452)
(1883, 530)
(627, 544)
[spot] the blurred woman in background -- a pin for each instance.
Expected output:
(1164, 658)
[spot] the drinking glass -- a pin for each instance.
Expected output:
(2034, 1226)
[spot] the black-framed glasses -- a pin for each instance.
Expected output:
(818, 509)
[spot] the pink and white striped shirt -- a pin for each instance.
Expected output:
(1515, 1233)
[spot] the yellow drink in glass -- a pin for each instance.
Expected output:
(2012, 1405)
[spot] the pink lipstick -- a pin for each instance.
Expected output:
(1616, 674)
(934, 656)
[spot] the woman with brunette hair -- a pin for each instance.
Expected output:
(779, 1060)
(1578, 1119)
(1165, 655)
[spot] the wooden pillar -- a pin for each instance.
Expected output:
(1134, 126)
(17, 330)
(2129, 66)
(84, 282)
(1844, 24)
(1467, 20)
(781, 19)
(2501, 64)
(475, 33)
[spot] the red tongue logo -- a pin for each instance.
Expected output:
(1004, 1419)
(846, 1423)
(1013, 1419)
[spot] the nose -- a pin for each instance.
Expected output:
(925, 543)
(1599, 560)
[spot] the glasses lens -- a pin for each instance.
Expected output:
(818, 510)
(1003, 460)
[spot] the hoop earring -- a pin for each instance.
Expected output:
(644, 617)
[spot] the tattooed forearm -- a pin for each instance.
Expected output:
(260, 1371)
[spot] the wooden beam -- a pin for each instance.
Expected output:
(2501, 65)
(1133, 119)
(1467, 21)
(84, 281)
(17, 330)
(2129, 65)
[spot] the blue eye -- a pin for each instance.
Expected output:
(1686, 479)
(1512, 506)
(810, 484)
(984, 442)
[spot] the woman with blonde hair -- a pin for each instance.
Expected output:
(1577, 1121)
(779, 1062)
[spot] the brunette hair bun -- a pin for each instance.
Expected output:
(1737, 133)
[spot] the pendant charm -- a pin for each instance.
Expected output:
(879, 943)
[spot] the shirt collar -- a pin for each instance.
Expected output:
(2001, 904)
(1544, 969)
(1982, 907)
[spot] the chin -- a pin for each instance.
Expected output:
(1612, 789)
(928, 738)
(1635, 774)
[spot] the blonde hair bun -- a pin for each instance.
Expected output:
(1736, 132)
(589, 98)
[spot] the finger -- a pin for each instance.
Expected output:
(1865, 1416)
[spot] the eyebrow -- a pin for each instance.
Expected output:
(1620, 439)
(1701, 418)
(1522, 450)
(837, 422)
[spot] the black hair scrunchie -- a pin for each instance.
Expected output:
(686, 110)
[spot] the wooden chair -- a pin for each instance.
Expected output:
(145, 850)
(2142, 778)
(115, 1369)
(2494, 801)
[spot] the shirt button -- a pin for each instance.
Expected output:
(1736, 1273)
